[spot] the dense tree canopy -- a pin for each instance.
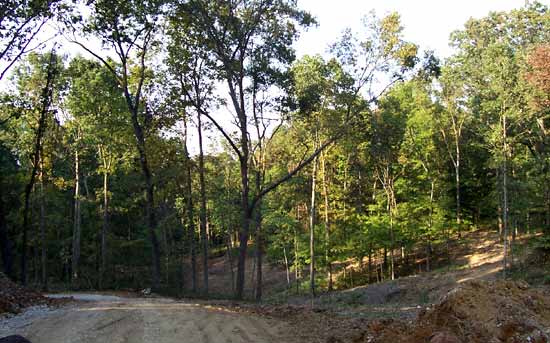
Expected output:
(190, 130)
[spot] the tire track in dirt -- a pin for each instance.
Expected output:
(135, 320)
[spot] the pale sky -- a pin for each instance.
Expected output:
(426, 22)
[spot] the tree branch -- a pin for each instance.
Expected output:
(295, 171)
(101, 59)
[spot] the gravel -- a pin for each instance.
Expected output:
(85, 297)
(15, 322)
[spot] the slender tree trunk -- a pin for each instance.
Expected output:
(369, 267)
(259, 162)
(327, 225)
(32, 247)
(391, 210)
(76, 224)
(430, 226)
(46, 101)
(499, 212)
(238, 99)
(202, 215)
(456, 127)
(286, 268)
(392, 265)
(133, 106)
(190, 214)
(382, 263)
(505, 194)
(259, 251)
(5, 243)
(44, 266)
(391, 206)
(104, 228)
(457, 185)
(296, 262)
(312, 231)
(230, 259)
(245, 225)
(253, 273)
(152, 223)
(546, 188)
(259, 234)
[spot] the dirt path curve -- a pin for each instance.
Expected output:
(158, 320)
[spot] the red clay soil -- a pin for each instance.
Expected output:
(476, 311)
(14, 298)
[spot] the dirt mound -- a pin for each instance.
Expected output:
(477, 311)
(14, 298)
(484, 311)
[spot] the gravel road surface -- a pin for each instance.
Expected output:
(102, 318)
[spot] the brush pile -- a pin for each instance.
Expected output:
(14, 298)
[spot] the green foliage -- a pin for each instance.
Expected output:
(386, 182)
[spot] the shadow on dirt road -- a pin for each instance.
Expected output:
(105, 318)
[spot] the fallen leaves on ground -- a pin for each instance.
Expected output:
(14, 298)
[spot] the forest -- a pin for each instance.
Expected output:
(185, 131)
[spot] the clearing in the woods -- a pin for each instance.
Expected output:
(466, 302)
(100, 318)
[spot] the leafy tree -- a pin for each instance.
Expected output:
(98, 111)
(489, 63)
(21, 22)
(130, 28)
(39, 82)
(233, 34)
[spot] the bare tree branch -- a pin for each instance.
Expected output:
(295, 171)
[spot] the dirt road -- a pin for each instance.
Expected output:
(158, 320)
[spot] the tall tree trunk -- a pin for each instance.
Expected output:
(296, 261)
(43, 262)
(189, 210)
(46, 96)
(5, 242)
(388, 183)
(33, 248)
(150, 203)
(456, 125)
(230, 259)
(547, 200)
(499, 195)
(104, 228)
(202, 215)
(312, 230)
(259, 250)
(246, 214)
(286, 268)
(505, 194)
(259, 162)
(133, 103)
(457, 185)
(369, 267)
(430, 226)
(259, 234)
(391, 209)
(327, 224)
(392, 245)
(76, 224)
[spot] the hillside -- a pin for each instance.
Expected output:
(464, 302)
